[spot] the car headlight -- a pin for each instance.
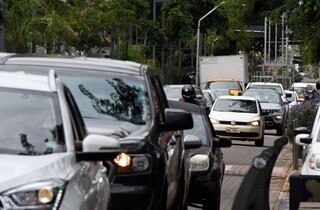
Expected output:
(254, 123)
(278, 117)
(199, 162)
(314, 162)
(132, 163)
(39, 195)
(214, 121)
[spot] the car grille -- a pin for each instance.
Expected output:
(242, 134)
(236, 123)
(270, 111)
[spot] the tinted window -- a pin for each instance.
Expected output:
(109, 96)
(30, 123)
(235, 105)
(198, 129)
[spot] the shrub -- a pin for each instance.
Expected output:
(303, 114)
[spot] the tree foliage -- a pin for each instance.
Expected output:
(84, 24)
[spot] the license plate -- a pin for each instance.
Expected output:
(233, 130)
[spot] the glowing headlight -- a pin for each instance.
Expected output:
(199, 162)
(278, 117)
(132, 163)
(214, 121)
(254, 123)
(314, 162)
(122, 160)
(40, 195)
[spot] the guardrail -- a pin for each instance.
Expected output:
(253, 192)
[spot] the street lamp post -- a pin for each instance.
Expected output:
(198, 41)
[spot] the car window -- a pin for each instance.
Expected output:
(235, 105)
(198, 129)
(37, 131)
(223, 85)
(109, 96)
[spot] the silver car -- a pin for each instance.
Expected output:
(47, 159)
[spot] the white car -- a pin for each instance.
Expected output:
(238, 117)
(310, 141)
(47, 159)
(292, 98)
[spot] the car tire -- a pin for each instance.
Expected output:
(213, 199)
(259, 143)
(280, 131)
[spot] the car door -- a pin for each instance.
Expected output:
(90, 187)
(173, 145)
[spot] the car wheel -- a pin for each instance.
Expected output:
(212, 202)
(259, 143)
(280, 131)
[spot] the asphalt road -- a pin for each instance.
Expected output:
(240, 154)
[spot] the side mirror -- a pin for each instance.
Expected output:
(264, 113)
(176, 119)
(301, 130)
(98, 147)
(303, 139)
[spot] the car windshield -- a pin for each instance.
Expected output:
(30, 123)
(223, 85)
(198, 129)
(276, 87)
(264, 97)
(109, 96)
(235, 105)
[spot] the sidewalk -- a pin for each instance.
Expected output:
(279, 186)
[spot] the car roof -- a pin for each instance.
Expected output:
(223, 80)
(265, 83)
(75, 62)
(23, 80)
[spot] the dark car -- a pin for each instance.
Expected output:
(271, 103)
(207, 164)
(125, 100)
(173, 92)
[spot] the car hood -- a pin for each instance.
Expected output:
(233, 116)
(265, 106)
(18, 170)
(116, 129)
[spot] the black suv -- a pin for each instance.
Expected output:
(125, 100)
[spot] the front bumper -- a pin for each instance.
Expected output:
(133, 192)
(273, 123)
(239, 132)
